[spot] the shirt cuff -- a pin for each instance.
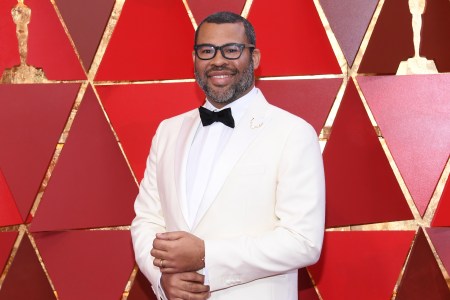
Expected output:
(161, 295)
(204, 271)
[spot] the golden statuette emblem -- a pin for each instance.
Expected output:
(417, 64)
(22, 73)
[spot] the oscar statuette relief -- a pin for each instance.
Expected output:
(22, 73)
(417, 64)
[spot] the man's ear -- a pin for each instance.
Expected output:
(256, 57)
(193, 56)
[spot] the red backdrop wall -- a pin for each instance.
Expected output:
(73, 147)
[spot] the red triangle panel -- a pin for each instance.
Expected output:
(141, 289)
(413, 115)
(422, 278)
(361, 186)
(26, 279)
(442, 214)
(9, 215)
(87, 264)
(91, 186)
(310, 99)
(361, 264)
(349, 20)
(152, 40)
(135, 112)
(294, 42)
(202, 8)
(32, 118)
(440, 237)
(44, 32)
(86, 20)
(7, 240)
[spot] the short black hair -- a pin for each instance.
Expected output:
(223, 17)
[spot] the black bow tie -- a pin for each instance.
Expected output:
(208, 117)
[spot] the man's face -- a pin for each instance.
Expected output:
(224, 80)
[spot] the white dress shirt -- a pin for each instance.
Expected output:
(207, 146)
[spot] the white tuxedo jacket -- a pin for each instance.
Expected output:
(266, 217)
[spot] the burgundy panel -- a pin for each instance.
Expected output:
(306, 289)
(422, 278)
(141, 289)
(26, 279)
(291, 38)
(413, 114)
(91, 186)
(7, 240)
(349, 20)
(152, 40)
(135, 112)
(202, 8)
(442, 214)
(32, 118)
(44, 32)
(435, 32)
(440, 237)
(311, 99)
(86, 20)
(9, 214)
(391, 41)
(87, 264)
(361, 264)
(360, 184)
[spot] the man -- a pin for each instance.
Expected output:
(229, 211)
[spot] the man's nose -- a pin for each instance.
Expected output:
(218, 59)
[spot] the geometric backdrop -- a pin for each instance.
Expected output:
(95, 78)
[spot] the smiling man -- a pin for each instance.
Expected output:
(232, 201)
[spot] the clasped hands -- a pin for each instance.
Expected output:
(179, 255)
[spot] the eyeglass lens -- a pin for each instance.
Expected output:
(232, 51)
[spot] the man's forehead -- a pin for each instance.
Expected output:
(222, 33)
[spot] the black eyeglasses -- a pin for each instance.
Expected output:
(228, 51)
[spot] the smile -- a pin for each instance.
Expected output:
(220, 76)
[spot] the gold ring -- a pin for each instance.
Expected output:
(161, 263)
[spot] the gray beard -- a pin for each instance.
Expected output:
(234, 92)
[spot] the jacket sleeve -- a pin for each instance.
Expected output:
(149, 219)
(296, 239)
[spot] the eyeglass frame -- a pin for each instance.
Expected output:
(240, 45)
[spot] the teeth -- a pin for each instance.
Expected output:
(221, 76)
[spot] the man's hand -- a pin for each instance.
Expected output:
(177, 252)
(184, 286)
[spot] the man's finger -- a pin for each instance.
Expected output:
(174, 235)
(193, 276)
(169, 271)
(160, 244)
(195, 296)
(195, 287)
(158, 253)
(157, 262)
(165, 266)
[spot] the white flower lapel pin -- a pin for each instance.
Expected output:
(255, 123)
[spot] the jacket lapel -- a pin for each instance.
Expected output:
(184, 141)
(248, 128)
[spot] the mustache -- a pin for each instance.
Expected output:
(216, 69)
